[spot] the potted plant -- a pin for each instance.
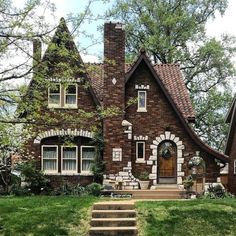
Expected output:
(144, 180)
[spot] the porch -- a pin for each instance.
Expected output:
(161, 191)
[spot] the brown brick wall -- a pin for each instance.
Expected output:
(232, 176)
(159, 117)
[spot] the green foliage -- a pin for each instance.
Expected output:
(68, 189)
(143, 176)
(94, 189)
(35, 179)
(188, 182)
(160, 27)
(217, 191)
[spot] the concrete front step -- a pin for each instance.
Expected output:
(113, 213)
(113, 206)
(113, 222)
(113, 231)
(165, 193)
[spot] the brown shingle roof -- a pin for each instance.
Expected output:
(171, 77)
(169, 74)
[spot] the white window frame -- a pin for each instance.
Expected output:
(81, 159)
(42, 160)
(142, 109)
(76, 97)
(76, 159)
(140, 160)
(51, 105)
(235, 167)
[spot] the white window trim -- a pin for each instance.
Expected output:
(142, 109)
(50, 105)
(235, 167)
(140, 160)
(62, 154)
(76, 97)
(81, 160)
(42, 159)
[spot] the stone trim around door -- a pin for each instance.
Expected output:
(153, 158)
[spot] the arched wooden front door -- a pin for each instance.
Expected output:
(167, 163)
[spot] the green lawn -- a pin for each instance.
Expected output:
(187, 218)
(42, 215)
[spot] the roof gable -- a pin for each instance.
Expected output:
(169, 78)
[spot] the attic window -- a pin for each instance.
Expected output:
(54, 96)
(70, 96)
(142, 101)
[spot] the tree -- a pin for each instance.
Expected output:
(174, 32)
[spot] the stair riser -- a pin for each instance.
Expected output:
(113, 233)
(156, 197)
(114, 215)
(112, 223)
(113, 207)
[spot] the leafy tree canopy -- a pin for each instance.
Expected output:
(174, 31)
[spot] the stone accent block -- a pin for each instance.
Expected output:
(149, 162)
(152, 176)
(153, 158)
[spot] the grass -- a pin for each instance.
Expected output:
(42, 215)
(190, 218)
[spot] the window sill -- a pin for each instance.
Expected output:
(69, 174)
(140, 161)
(65, 107)
(142, 110)
(54, 106)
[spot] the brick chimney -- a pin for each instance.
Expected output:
(114, 65)
(117, 150)
(37, 54)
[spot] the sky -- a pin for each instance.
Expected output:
(216, 27)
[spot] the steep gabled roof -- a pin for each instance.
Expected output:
(169, 77)
(231, 118)
(177, 109)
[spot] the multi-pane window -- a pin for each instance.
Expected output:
(142, 101)
(69, 159)
(50, 158)
(87, 158)
(62, 96)
(140, 151)
(116, 154)
(234, 166)
(54, 96)
(70, 95)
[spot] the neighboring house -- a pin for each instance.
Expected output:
(153, 133)
(230, 149)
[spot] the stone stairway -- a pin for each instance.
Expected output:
(113, 219)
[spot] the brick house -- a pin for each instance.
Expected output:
(230, 149)
(149, 132)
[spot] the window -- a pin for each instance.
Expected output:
(69, 159)
(116, 154)
(140, 151)
(63, 96)
(50, 158)
(70, 96)
(54, 96)
(234, 166)
(142, 101)
(87, 158)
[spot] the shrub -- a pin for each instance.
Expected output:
(36, 181)
(217, 191)
(67, 189)
(94, 189)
